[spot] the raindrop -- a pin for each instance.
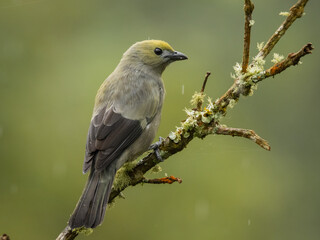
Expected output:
(59, 169)
(202, 210)
(14, 189)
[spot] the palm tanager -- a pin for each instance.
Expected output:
(125, 119)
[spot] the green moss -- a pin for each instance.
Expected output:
(197, 98)
(122, 178)
(156, 169)
(86, 231)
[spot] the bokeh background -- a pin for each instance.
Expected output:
(55, 54)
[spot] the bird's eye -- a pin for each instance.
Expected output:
(158, 51)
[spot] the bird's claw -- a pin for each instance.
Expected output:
(155, 147)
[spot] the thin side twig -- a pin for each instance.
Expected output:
(246, 133)
(296, 11)
(164, 180)
(205, 81)
(248, 9)
(199, 105)
(291, 60)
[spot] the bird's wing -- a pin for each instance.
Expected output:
(109, 135)
(126, 113)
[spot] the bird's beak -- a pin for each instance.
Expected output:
(176, 56)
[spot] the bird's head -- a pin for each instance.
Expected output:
(156, 54)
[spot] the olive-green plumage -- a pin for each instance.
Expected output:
(125, 119)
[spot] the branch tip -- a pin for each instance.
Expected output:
(296, 11)
(199, 104)
(168, 180)
(246, 133)
(291, 60)
(205, 81)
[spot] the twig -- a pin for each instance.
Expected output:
(248, 9)
(199, 105)
(234, 92)
(246, 133)
(296, 11)
(205, 81)
(168, 180)
(291, 60)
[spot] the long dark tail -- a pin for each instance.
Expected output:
(92, 205)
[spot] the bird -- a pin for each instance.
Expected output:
(125, 119)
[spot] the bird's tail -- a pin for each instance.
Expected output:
(92, 205)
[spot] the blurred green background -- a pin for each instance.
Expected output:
(55, 54)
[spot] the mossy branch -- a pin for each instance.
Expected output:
(291, 60)
(67, 234)
(202, 121)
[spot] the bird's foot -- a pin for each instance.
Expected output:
(155, 147)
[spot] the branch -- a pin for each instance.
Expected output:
(205, 81)
(67, 234)
(291, 60)
(248, 9)
(202, 122)
(234, 92)
(136, 174)
(164, 180)
(199, 105)
(246, 133)
(296, 11)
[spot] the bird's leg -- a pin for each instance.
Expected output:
(155, 147)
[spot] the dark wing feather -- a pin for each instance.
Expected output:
(109, 135)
